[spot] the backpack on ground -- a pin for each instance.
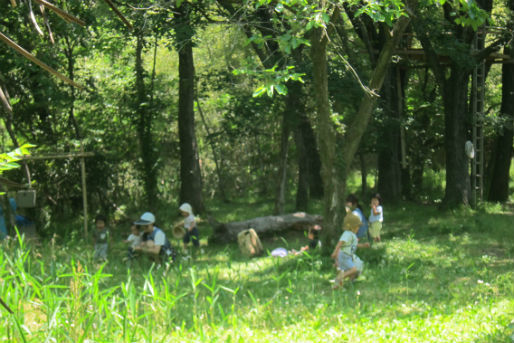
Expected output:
(249, 243)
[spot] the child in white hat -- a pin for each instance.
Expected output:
(190, 225)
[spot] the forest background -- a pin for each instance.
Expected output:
(208, 101)
(244, 109)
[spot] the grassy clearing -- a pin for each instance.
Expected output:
(438, 277)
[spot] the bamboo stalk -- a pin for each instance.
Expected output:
(118, 13)
(63, 14)
(84, 189)
(13, 3)
(33, 19)
(34, 59)
(5, 101)
(47, 24)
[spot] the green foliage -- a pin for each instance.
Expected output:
(383, 11)
(9, 160)
(274, 80)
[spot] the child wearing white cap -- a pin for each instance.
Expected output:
(190, 225)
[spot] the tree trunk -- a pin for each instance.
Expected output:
(455, 92)
(313, 159)
(310, 183)
(388, 145)
(501, 156)
(144, 128)
(364, 174)
(280, 197)
(302, 189)
(190, 176)
(227, 232)
(335, 183)
(326, 137)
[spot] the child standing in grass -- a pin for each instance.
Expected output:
(101, 238)
(348, 264)
(376, 218)
(190, 225)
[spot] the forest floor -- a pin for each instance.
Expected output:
(436, 277)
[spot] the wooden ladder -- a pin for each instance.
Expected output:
(478, 93)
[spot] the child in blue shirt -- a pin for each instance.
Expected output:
(348, 264)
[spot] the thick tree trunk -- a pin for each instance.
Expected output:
(190, 176)
(326, 137)
(227, 232)
(502, 154)
(457, 165)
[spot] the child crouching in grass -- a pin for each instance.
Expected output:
(348, 264)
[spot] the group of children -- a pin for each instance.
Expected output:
(139, 237)
(356, 228)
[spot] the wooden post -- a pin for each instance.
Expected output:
(84, 189)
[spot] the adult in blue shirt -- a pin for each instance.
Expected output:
(155, 243)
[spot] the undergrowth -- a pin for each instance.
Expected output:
(437, 277)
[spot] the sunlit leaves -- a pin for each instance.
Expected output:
(9, 160)
(469, 14)
(383, 11)
(273, 80)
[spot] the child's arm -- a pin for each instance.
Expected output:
(375, 211)
(337, 248)
(192, 225)
(149, 248)
(363, 245)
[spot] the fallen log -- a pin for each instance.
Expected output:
(227, 232)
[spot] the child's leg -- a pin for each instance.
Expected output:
(186, 239)
(339, 281)
(351, 273)
(195, 237)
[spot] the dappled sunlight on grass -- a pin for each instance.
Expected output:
(449, 279)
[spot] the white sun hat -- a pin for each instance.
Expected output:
(186, 208)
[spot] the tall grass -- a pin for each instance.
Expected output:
(438, 277)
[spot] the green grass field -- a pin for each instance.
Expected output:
(437, 277)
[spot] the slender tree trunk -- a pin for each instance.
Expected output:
(293, 118)
(217, 161)
(364, 174)
(190, 176)
(388, 145)
(313, 159)
(280, 197)
(144, 128)
(502, 154)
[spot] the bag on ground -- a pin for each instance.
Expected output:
(249, 243)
